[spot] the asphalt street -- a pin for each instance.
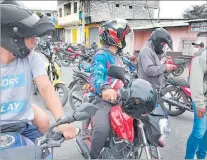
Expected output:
(174, 149)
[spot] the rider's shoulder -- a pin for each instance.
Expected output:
(102, 53)
(33, 55)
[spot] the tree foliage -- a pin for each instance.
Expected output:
(197, 11)
(39, 13)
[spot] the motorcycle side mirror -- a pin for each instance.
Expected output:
(85, 111)
(117, 72)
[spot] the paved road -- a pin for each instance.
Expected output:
(175, 145)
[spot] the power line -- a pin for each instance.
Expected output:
(149, 14)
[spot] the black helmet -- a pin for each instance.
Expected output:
(158, 36)
(140, 98)
(17, 23)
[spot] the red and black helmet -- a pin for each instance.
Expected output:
(113, 32)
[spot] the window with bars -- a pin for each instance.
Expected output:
(187, 47)
(75, 7)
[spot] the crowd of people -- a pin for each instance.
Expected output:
(20, 65)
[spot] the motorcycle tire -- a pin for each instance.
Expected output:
(70, 96)
(179, 111)
(178, 71)
(65, 92)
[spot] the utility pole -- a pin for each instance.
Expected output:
(83, 21)
(158, 18)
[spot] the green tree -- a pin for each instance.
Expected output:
(39, 13)
(197, 11)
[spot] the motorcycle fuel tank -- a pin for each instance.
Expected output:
(122, 124)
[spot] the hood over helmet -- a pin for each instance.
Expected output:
(158, 36)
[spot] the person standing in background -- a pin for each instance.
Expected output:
(197, 141)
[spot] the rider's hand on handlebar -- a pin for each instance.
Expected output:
(109, 95)
(68, 131)
(170, 67)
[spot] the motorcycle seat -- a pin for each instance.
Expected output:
(178, 81)
(180, 61)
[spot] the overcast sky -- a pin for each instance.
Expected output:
(168, 9)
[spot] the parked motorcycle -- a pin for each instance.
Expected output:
(71, 54)
(84, 63)
(128, 137)
(77, 88)
(179, 63)
(131, 67)
(54, 72)
(180, 97)
(15, 146)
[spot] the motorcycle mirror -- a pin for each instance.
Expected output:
(117, 72)
(84, 111)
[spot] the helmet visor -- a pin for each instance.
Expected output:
(32, 26)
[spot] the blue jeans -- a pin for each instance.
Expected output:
(31, 132)
(197, 141)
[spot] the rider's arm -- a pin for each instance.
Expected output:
(98, 71)
(44, 85)
(149, 67)
(198, 69)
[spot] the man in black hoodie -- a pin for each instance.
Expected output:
(150, 66)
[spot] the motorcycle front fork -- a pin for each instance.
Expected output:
(145, 143)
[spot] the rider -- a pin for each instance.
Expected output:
(112, 36)
(197, 141)
(150, 67)
(20, 65)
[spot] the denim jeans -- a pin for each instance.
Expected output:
(197, 141)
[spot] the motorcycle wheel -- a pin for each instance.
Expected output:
(178, 71)
(181, 94)
(74, 98)
(63, 98)
(65, 62)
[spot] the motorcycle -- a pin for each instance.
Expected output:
(85, 63)
(54, 72)
(179, 63)
(131, 67)
(71, 54)
(180, 97)
(24, 149)
(128, 137)
(77, 88)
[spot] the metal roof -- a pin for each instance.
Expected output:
(197, 20)
(162, 24)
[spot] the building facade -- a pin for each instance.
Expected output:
(97, 12)
(53, 15)
(182, 33)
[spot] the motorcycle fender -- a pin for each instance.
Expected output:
(57, 81)
(186, 90)
(72, 84)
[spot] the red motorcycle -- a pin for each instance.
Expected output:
(177, 95)
(179, 63)
(128, 136)
(70, 55)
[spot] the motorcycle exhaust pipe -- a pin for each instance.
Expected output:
(177, 103)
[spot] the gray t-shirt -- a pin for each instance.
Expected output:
(16, 87)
